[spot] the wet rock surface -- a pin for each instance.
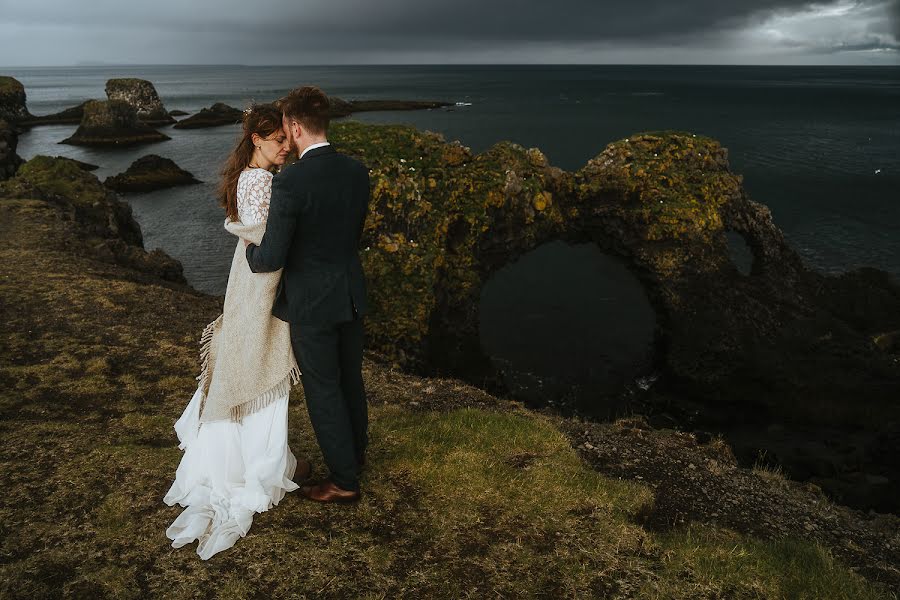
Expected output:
(112, 123)
(150, 173)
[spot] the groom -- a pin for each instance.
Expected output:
(316, 215)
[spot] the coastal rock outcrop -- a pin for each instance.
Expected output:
(140, 94)
(9, 160)
(150, 173)
(105, 223)
(12, 100)
(217, 114)
(443, 220)
(112, 123)
(783, 343)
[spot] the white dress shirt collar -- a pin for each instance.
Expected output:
(318, 145)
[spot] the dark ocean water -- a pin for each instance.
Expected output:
(819, 145)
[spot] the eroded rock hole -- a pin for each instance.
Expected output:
(568, 325)
(739, 251)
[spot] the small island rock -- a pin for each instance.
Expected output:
(217, 114)
(140, 94)
(112, 123)
(150, 173)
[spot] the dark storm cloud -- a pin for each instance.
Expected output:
(353, 20)
(240, 31)
(570, 20)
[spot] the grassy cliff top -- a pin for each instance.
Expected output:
(465, 494)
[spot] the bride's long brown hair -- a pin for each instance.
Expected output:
(261, 119)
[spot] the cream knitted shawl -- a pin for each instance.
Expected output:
(246, 357)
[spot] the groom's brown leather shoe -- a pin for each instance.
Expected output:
(303, 471)
(328, 491)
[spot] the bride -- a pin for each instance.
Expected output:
(233, 432)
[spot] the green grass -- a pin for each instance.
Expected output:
(703, 561)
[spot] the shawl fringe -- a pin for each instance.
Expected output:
(251, 406)
(263, 400)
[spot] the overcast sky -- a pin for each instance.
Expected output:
(67, 32)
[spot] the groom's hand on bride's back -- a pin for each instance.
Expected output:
(246, 243)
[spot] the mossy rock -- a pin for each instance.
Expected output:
(150, 173)
(112, 123)
(443, 220)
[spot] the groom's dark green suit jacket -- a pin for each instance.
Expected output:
(316, 215)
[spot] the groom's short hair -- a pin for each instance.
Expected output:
(309, 106)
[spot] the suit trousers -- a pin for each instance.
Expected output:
(330, 359)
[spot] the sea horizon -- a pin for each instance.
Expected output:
(513, 64)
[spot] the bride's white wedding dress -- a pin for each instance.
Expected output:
(229, 471)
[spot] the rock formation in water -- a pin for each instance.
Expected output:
(141, 95)
(178, 113)
(9, 160)
(112, 123)
(150, 173)
(12, 100)
(214, 116)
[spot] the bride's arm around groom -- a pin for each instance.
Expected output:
(272, 251)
